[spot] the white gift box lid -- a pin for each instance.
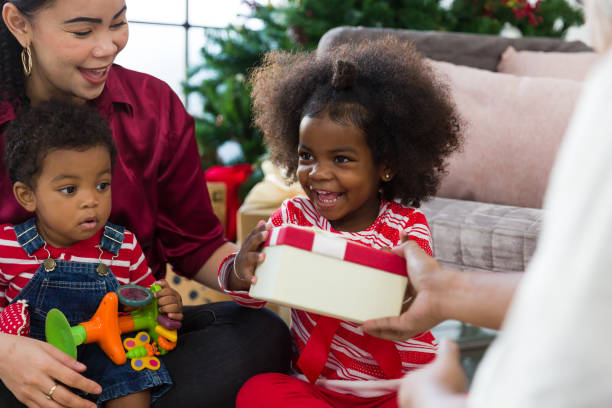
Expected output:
(324, 273)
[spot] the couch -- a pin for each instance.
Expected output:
(487, 213)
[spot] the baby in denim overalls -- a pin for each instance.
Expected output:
(59, 158)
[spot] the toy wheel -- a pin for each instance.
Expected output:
(59, 334)
(134, 295)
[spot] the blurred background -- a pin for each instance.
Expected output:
(204, 49)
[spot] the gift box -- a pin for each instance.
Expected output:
(231, 177)
(323, 273)
(248, 217)
(218, 197)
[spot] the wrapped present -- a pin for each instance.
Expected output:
(232, 177)
(217, 192)
(323, 273)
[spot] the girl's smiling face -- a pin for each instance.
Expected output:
(337, 171)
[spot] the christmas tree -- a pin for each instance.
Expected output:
(233, 51)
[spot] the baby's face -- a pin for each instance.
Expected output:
(73, 195)
(337, 172)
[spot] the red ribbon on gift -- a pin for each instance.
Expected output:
(314, 355)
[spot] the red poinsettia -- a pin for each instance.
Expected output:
(524, 9)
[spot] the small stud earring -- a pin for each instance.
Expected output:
(387, 176)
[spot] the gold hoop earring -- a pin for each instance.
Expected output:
(26, 60)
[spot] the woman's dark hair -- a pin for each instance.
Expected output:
(49, 126)
(384, 88)
(12, 87)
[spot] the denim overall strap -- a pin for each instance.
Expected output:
(112, 238)
(28, 237)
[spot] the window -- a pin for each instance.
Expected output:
(166, 37)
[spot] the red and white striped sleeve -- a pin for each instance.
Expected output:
(11, 256)
(240, 296)
(140, 273)
(277, 219)
(418, 231)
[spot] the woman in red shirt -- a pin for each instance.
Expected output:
(64, 49)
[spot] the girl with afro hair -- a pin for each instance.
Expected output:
(365, 129)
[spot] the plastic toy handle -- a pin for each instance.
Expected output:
(168, 334)
(168, 323)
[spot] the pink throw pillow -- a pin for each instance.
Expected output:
(562, 65)
(514, 126)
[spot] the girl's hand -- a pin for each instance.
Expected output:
(169, 301)
(249, 256)
(30, 369)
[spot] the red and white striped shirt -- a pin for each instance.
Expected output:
(348, 359)
(17, 268)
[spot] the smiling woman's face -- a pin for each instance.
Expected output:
(73, 44)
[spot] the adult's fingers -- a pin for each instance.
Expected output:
(448, 367)
(54, 395)
(66, 374)
(439, 384)
(390, 328)
(61, 397)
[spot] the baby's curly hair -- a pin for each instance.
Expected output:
(52, 125)
(382, 87)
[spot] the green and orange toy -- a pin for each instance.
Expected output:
(107, 325)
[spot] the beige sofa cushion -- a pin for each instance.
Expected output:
(513, 129)
(563, 65)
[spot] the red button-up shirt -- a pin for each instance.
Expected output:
(159, 189)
